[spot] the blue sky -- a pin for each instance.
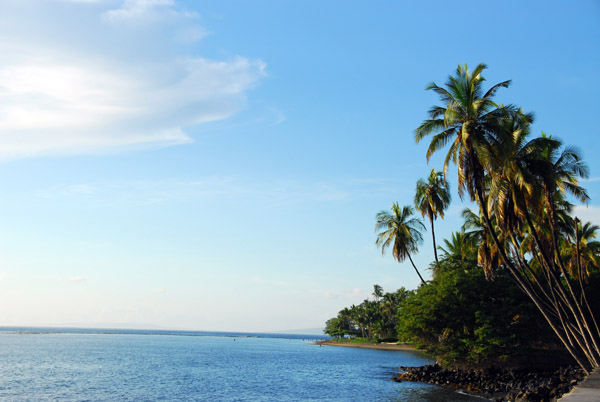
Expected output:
(219, 165)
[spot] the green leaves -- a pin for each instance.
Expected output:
(400, 231)
(461, 318)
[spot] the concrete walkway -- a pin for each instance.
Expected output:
(587, 391)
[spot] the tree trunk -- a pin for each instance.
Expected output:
(433, 236)
(418, 273)
(562, 329)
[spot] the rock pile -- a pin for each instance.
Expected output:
(499, 385)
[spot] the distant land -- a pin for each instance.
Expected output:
(108, 325)
(306, 331)
(117, 325)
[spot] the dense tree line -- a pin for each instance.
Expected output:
(371, 319)
(520, 254)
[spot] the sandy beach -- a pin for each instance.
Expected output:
(380, 346)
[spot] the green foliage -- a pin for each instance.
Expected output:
(520, 255)
(333, 328)
(522, 187)
(372, 319)
(462, 318)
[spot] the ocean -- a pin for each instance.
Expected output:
(50, 364)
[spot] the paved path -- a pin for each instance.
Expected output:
(587, 391)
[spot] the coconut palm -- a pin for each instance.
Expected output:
(467, 118)
(460, 247)
(586, 256)
(401, 231)
(518, 185)
(432, 197)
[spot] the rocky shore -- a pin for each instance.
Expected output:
(499, 385)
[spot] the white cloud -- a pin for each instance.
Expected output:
(63, 95)
(84, 1)
(135, 9)
(77, 279)
(159, 290)
(166, 191)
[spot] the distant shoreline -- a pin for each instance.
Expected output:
(379, 346)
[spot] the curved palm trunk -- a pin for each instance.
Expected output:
(583, 292)
(562, 329)
(415, 267)
(587, 338)
(433, 235)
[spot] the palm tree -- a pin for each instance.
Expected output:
(460, 247)
(518, 185)
(358, 317)
(467, 118)
(401, 231)
(432, 198)
(377, 292)
(586, 255)
(528, 183)
(476, 233)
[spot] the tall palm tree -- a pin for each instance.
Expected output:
(400, 230)
(432, 197)
(467, 118)
(518, 185)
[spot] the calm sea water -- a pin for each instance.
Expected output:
(38, 364)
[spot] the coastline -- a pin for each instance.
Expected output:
(379, 346)
(526, 384)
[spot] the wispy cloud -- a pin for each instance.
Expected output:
(159, 290)
(65, 95)
(131, 9)
(356, 293)
(175, 190)
(77, 279)
(279, 117)
(270, 282)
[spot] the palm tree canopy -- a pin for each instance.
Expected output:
(399, 230)
(465, 120)
(460, 247)
(377, 292)
(432, 196)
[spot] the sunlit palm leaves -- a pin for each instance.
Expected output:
(399, 230)
(432, 197)
(520, 185)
